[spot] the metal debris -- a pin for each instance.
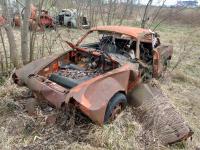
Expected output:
(78, 74)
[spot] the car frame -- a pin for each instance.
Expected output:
(104, 96)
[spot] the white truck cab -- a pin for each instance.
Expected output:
(71, 18)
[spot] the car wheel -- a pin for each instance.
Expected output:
(70, 25)
(115, 106)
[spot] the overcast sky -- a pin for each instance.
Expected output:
(157, 2)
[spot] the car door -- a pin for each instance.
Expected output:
(161, 56)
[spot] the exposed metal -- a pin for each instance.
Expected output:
(90, 76)
(2, 21)
(44, 20)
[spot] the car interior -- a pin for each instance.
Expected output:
(77, 66)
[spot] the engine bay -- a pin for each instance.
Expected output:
(88, 61)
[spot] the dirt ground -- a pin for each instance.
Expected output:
(19, 130)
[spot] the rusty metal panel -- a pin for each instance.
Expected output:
(35, 66)
(131, 31)
(2, 20)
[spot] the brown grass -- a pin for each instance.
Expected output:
(21, 131)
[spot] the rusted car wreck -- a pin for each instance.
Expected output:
(100, 78)
(97, 77)
(40, 21)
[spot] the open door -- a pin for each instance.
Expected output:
(157, 66)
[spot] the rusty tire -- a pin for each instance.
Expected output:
(115, 106)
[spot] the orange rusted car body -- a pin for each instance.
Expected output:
(2, 21)
(44, 20)
(93, 95)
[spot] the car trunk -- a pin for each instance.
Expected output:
(74, 68)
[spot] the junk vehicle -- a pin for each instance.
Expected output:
(71, 19)
(2, 21)
(44, 20)
(97, 77)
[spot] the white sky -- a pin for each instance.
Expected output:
(159, 2)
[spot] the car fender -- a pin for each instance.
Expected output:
(94, 95)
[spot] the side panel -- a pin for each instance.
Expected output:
(34, 67)
(97, 97)
(161, 55)
(41, 66)
(157, 66)
(66, 20)
(94, 95)
(49, 91)
(165, 51)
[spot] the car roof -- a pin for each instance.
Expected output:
(126, 30)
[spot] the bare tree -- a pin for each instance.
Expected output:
(124, 12)
(4, 48)
(114, 10)
(101, 11)
(24, 33)
(157, 13)
(17, 5)
(145, 16)
(33, 34)
(186, 46)
(95, 8)
(1, 64)
(177, 12)
(11, 39)
(131, 7)
(110, 11)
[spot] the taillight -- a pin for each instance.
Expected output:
(55, 67)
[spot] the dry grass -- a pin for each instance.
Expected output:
(183, 85)
(21, 131)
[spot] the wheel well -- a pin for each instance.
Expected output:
(62, 105)
(123, 92)
(72, 101)
(112, 103)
